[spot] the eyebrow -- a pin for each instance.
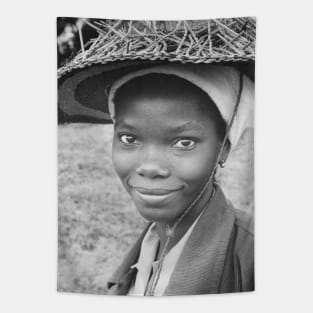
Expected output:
(191, 125)
(124, 124)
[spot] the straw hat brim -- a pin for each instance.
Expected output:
(84, 81)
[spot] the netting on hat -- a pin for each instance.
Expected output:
(201, 41)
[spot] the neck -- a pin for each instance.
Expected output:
(182, 227)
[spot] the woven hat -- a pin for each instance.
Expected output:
(124, 46)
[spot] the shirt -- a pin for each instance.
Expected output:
(146, 261)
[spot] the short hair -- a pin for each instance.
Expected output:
(168, 84)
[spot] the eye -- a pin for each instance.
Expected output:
(128, 139)
(184, 143)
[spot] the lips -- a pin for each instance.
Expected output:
(155, 191)
(155, 196)
(152, 199)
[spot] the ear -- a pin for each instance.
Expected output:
(224, 154)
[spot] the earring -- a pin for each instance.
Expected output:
(222, 163)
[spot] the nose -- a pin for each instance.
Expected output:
(152, 170)
(151, 167)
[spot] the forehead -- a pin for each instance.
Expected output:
(159, 117)
(154, 84)
(157, 89)
(165, 107)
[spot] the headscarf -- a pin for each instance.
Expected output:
(221, 83)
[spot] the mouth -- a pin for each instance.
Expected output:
(154, 196)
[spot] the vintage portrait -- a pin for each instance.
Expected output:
(155, 156)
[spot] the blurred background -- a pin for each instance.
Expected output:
(97, 219)
(68, 42)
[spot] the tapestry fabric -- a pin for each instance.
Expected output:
(155, 156)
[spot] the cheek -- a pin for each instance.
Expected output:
(195, 168)
(123, 161)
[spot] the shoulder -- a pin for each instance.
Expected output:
(244, 222)
(243, 228)
(237, 229)
(123, 274)
(241, 240)
(242, 248)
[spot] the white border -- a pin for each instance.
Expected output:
(28, 222)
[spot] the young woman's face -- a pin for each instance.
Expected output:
(164, 148)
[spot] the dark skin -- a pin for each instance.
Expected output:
(164, 149)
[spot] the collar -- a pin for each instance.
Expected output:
(146, 261)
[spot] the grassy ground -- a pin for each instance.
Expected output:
(97, 220)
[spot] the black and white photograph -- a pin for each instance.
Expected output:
(155, 156)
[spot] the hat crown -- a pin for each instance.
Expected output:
(192, 41)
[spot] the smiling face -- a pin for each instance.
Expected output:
(165, 144)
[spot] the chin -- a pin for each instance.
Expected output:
(157, 215)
